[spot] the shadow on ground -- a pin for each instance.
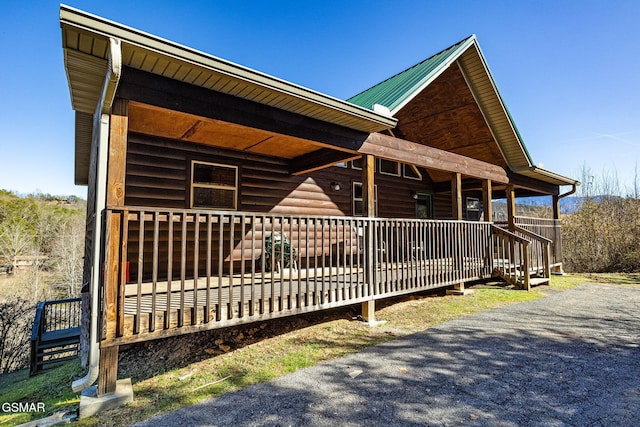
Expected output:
(569, 359)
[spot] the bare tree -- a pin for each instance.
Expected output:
(67, 256)
(16, 317)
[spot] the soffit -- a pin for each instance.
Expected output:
(88, 34)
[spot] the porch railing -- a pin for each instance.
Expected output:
(194, 270)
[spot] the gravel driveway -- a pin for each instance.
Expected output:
(570, 359)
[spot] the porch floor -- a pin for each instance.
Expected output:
(307, 286)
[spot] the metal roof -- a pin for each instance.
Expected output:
(397, 91)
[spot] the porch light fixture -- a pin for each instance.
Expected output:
(335, 186)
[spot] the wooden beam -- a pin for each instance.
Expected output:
(400, 150)
(487, 196)
(317, 160)
(117, 153)
(534, 185)
(456, 196)
(164, 92)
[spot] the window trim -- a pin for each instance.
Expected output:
(382, 172)
(194, 185)
(415, 168)
(361, 199)
(470, 202)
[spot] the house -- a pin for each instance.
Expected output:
(218, 195)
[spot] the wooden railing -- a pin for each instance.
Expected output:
(178, 271)
(55, 335)
(547, 228)
(540, 249)
(512, 257)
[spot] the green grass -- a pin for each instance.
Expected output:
(279, 355)
(53, 388)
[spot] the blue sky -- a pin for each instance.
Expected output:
(567, 70)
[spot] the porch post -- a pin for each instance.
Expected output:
(486, 200)
(511, 206)
(557, 237)
(108, 364)
(456, 213)
(556, 207)
(369, 210)
(456, 195)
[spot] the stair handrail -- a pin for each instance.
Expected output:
(524, 262)
(41, 326)
(546, 247)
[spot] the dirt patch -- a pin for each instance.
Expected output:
(150, 358)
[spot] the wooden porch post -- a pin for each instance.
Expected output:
(487, 207)
(456, 195)
(456, 213)
(108, 365)
(369, 210)
(557, 238)
(511, 206)
(556, 207)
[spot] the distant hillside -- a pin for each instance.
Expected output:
(537, 206)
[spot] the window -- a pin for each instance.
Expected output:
(388, 167)
(473, 204)
(411, 172)
(356, 164)
(214, 186)
(358, 207)
(341, 164)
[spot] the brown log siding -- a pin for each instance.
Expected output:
(158, 176)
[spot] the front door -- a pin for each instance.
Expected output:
(424, 206)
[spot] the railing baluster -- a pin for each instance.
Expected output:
(220, 219)
(196, 266)
(207, 308)
(243, 228)
(154, 271)
(230, 306)
(167, 313)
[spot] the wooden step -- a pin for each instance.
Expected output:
(537, 281)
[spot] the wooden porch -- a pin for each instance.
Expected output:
(172, 271)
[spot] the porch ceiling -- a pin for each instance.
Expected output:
(157, 121)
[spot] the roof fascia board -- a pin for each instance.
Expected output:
(452, 58)
(514, 129)
(547, 175)
(94, 24)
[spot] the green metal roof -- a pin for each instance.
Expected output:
(394, 92)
